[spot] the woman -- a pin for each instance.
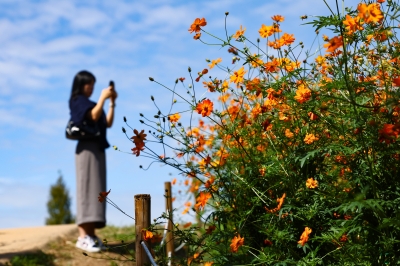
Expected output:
(90, 158)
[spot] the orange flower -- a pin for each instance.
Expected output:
(320, 60)
(174, 118)
(343, 238)
(236, 243)
(310, 138)
(287, 64)
(210, 263)
(224, 86)
(186, 210)
(210, 229)
(214, 62)
(288, 133)
(209, 182)
(146, 235)
(197, 36)
(271, 66)
(195, 27)
(255, 61)
(311, 183)
(278, 18)
(287, 38)
(370, 13)
(210, 85)
(280, 203)
(237, 76)
(313, 116)
(139, 138)
(266, 31)
(262, 171)
(202, 199)
(173, 181)
(186, 225)
(304, 236)
(396, 81)
(352, 24)
(267, 242)
(205, 107)
(277, 44)
(156, 238)
(303, 94)
(388, 133)
(333, 44)
(224, 97)
(103, 195)
(136, 150)
(256, 111)
(239, 33)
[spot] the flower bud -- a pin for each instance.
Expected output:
(141, 121)
(151, 79)
(226, 13)
(189, 69)
(152, 98)
(123, 130)
(124, 119)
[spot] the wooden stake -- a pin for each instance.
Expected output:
(142, 221)
(168, 207)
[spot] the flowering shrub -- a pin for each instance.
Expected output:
(295, 159)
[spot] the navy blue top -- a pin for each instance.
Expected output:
(78, 109)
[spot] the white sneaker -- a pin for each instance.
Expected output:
(88, 244)
(99, 242)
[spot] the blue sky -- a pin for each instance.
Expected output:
(45, 43)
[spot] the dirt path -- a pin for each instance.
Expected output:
(19, 240)
(56, 245)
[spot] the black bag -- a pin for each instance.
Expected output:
(85, 131)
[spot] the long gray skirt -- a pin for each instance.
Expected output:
(90, 181)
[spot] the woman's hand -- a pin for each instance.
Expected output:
(110, 114)
(114, 96)
(97, 110)
(107, 93)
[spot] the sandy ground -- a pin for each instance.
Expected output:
(17, 240)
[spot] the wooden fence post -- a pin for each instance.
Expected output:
(142, 221)
(168, 206)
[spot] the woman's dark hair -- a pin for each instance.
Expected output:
(81, 79)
